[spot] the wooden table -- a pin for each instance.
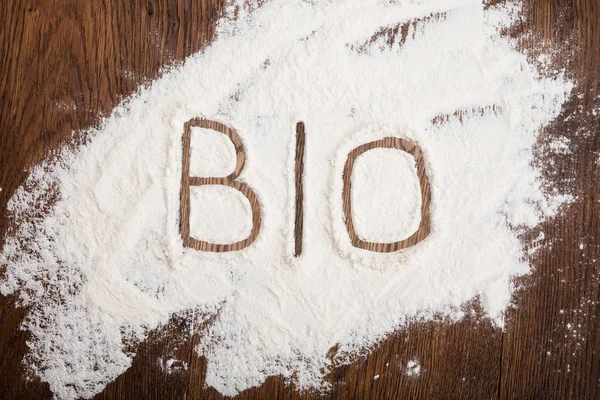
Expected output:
(65, 63)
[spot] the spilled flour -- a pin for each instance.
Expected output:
(97, 257)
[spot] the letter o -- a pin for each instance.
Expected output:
(425, 225)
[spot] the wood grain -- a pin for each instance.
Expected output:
(551, 346)
(66, 63)
(299, 186)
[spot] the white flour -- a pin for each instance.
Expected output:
(106, 262)
(386, 196)
(219, 214)
(413, 368)
(212, 154)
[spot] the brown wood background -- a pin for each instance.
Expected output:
(65, 63)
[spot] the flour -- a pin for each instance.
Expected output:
(96, 253)
(386, 196)
(219, 214)
(212, 154)
(172, 365)
(413, 368)
(560, 145)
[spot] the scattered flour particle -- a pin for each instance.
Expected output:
(561, 145)
(543, 59)
(172, 365)
(376, 377)
(413, 368)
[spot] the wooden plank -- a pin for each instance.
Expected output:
(551, 347)
(64, 63)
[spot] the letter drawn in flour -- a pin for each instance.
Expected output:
(187, 181)
(299, 172)
(425, 225)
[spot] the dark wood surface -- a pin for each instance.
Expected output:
(64, 64)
